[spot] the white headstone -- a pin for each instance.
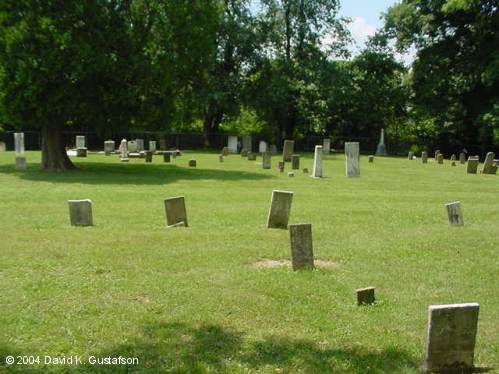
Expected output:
(317, 169)
(262, 146)
(352, 167)
(381, 149)
(152, 145)
(109, 146)
(232, 143)
(19, 143)
(80, 142)
(132, 146)
(123, 149)
(140, 144)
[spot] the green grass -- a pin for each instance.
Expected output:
(190, 300)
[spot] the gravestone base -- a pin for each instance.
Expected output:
(124, 159)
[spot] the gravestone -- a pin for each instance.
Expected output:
(232, 144)
(273, 149)
(80, 142)
(251, 156)
(148, 156)
(454, 213)
(280, 208)
(326, 146)
(440, 158)
(462, 158)
(175, 212)
(450, 338)
(453, 157)
(410, 156)
(132, 146)
(291, 174)
(488, 164)
(3, 147)
(262, 146)
(162, 144)
(167, 157)
(371, 159)
(437, 152)
(192, 163)
(280, 166)
(287, 150)
(317, 167)
(365, 296)
(225, 151)
(109, 147)
(472, 166)
(123, 149)
(248, 143)
(424, 157)
(244, 152)
(381, 148)
(80, 212)
(152, 145)
(295, 162)
(352, 166)
(81, 152)
(140, 144)
(302, 253)
(19, 150)
(266, 160)
(220, 158)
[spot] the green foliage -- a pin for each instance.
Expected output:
(246, 123)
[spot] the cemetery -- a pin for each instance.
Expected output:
(249, 187)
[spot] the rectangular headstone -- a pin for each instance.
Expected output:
(251, 156)
(19, 143)
(80, 142)
(3, 147)
(167, 157)
(450, 339)
(365, 295)
(192, 163)
(280, 166)
(273, 149)
(109, 147)
(280, 208)
(488, 165)
(317, 167)
(287, 150)
(424, 157)
(248, 143)
(295, 162)
(302, 253)
(81, 152)
(326, 146)
(262, 146)
(132, 146)
(175, 211)
(440, 158)
(462, 158)
(80, 212)
(453, 157)
(371, 159)
(266, 160)
(352, 167)
(152, 145)
(140, 145)
(232, 143)
(454, 213)
(472, 166)
(410, 155)
(21, 163)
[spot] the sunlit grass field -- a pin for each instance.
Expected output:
(193, 300)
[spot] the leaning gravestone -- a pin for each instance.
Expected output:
(175, 212)
(287, 150)
(140, 145)
(381, 149)
(262, 146)
(352, 166)
(295, 162)
(232, 143)
(317, 167)
(440, 158)
(326, 146)
(19, 148)
(302, 253)
(424, 157)
(365, 296)
(450, 338)
(123, 149)
(462, 158)
(109, 147)
(472, 166)
(152, 145)
(280, 208)
(248, 143)
(488, 164)
(266, 160)
(80, 212)
(454, 213)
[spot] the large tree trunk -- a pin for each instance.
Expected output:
(211, 124)
(54, 156)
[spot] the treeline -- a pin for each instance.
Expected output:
(274, 67)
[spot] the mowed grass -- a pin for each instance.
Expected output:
(191, 300)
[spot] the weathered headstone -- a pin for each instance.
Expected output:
(152, 145)
(248, 143)
(3, 147)
(266, 160)
(148, 156)
(472, 166)
(352, 166)
(123, 149)
(326, 146)
(450, 338)
(192, 163)
(317, 167)
(424, 157)
(232, 143)
(251, 156)
(291, 174)
(175, 211)
(167, 157)
(132, 146)
(80, 142)
(462, 158)
(454, 213)
(225, 151)
(295, 162)
(453, 157)
(273, 149)
(19, 150)
(381, 149)
(410, 156)
(80, 212)
(302, 253)
(365, 296)
(140, 144)
(244, 152)
(280, 166)
(81, 152)
(109, 147)
(440, 158)
(262, 146)
(488, 164)
(371, 159)
(287, 150)
(280, 208)
(21, 163)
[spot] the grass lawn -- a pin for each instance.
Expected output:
(192, 300)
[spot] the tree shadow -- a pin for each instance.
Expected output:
(138, 174)
(180, 348)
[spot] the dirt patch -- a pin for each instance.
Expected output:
(270, 264)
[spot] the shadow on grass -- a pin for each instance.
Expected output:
(179, 348)
(138, 174)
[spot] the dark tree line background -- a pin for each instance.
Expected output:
(279, 68)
